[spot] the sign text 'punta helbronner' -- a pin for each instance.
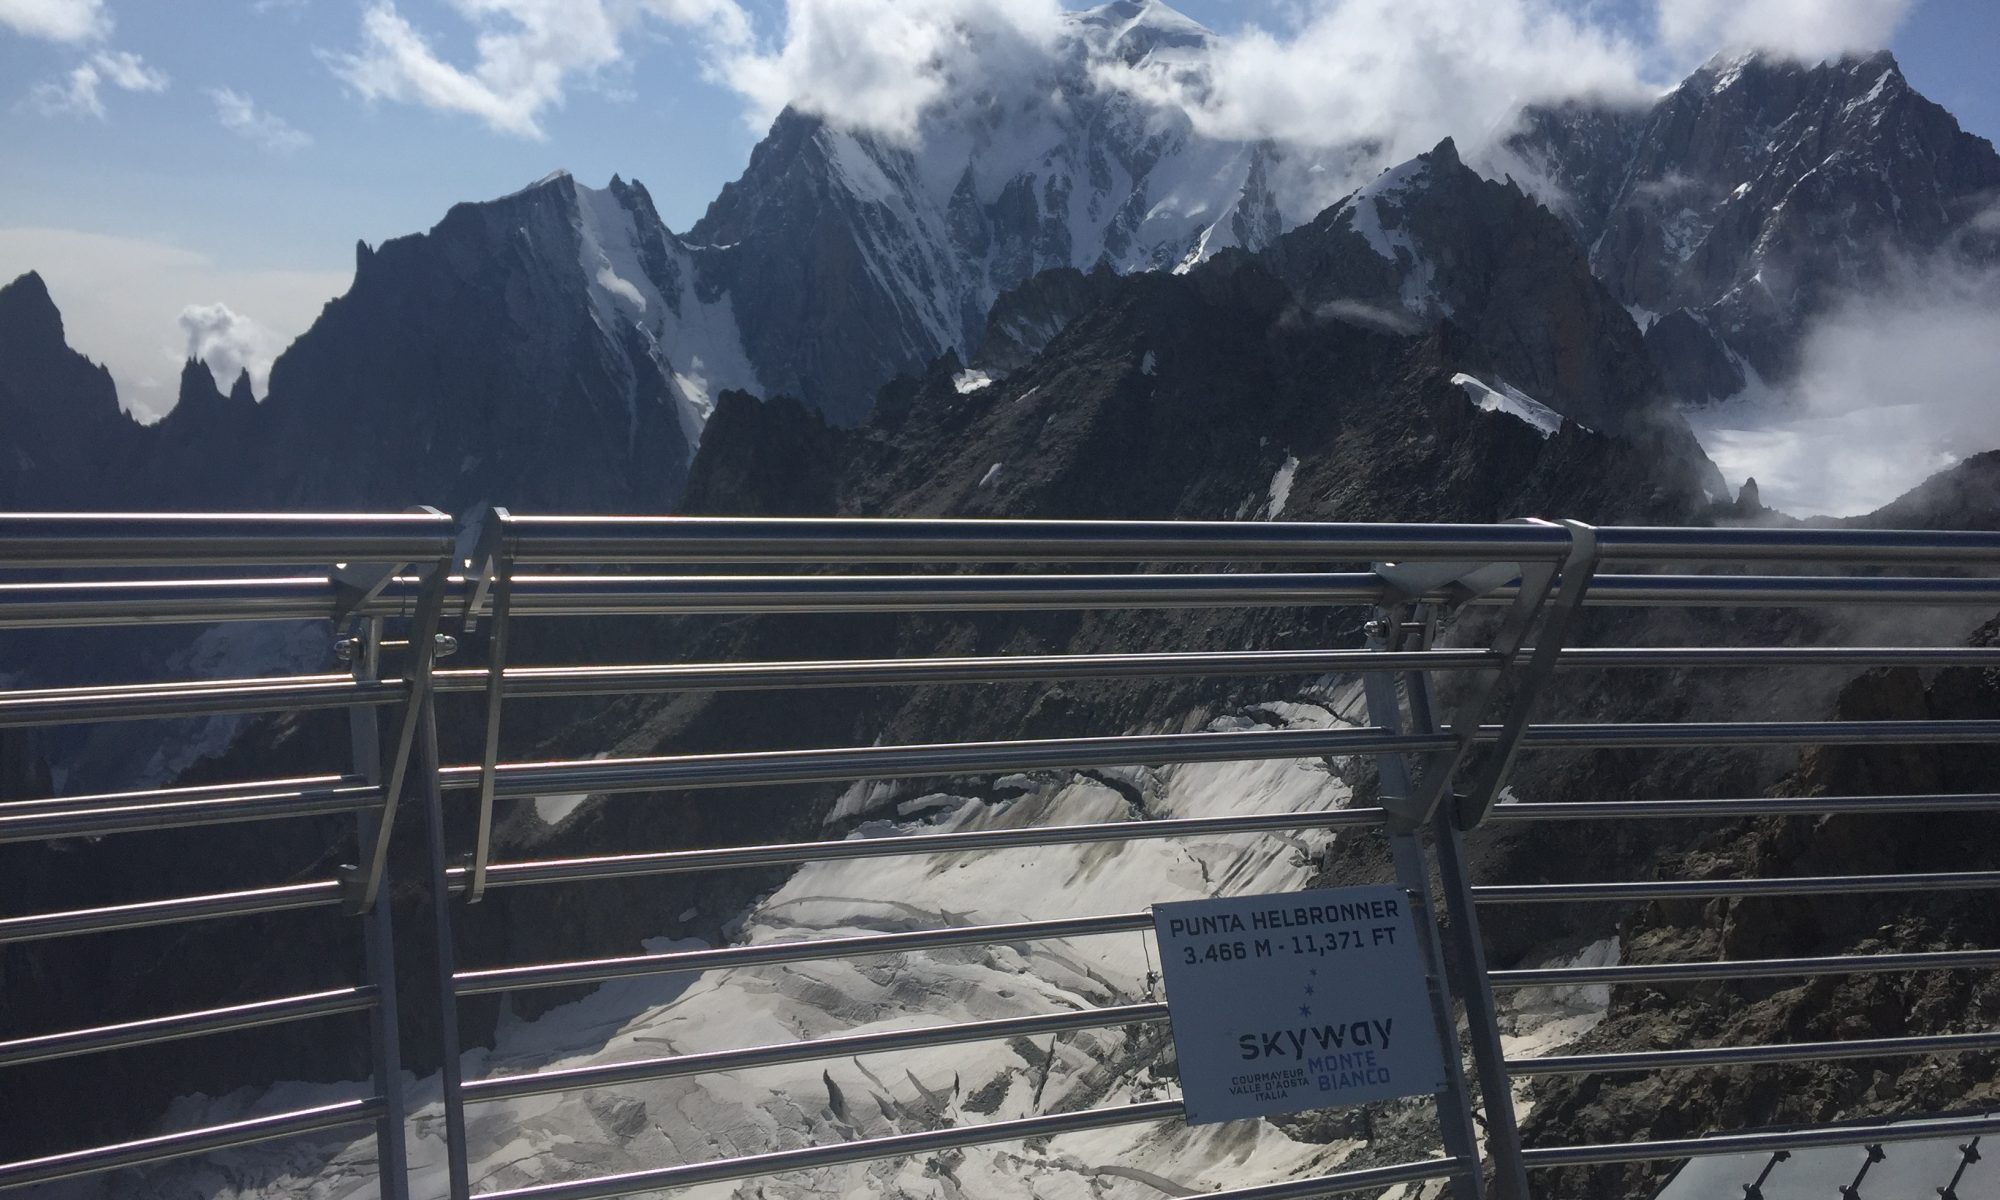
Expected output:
(1307, 1000)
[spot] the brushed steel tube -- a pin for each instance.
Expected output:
(72, 1042)
(607, 775)
(1761, 1141)
(1342, 1183)
(536, 975)
(1749, 968)
(807, 1158)
(1022, 668)
(46, 540)
(164, 602)
(128, 702)
(1669, 543)
(174, 808)
(907, 762)
(1681, 889)
(546, 539)
(616, 595)
(169, 912)
(540, 1083)
(1616, 591)
(1640, 735)
(99, 1159)
(1596, 657)
(668, 862)
(1749, 806)
(1740, 1056)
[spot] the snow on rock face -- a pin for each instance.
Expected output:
(1511, 400)
(703, 1117)
(643, 280)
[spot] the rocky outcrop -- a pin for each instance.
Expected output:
(63, 438)
(1761, 191)
(1827, 1008)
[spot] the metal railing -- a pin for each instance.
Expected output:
(1441, 772)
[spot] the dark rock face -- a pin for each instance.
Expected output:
(1966, 496)
(466, 365)
(1028, 318)
(1760, 191)
(1432, 240)
(62, 434)
(1694, 364)
(1829, 1008)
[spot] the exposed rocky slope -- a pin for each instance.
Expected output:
(1756, 195)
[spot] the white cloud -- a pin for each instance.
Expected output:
(1894, 386)
(527, 53)
(56, 20)
(122, 297)
(230, 343)
(880, 64)
(77, 93)
(241, 116)
(1398, 73)
(1803, 29)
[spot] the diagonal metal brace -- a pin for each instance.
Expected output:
(1471, 807)
(497, 569)
(417, 684)
(1537, 579)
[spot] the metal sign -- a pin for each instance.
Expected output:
(1300, 1000)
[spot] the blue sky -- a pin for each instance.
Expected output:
(231, 162)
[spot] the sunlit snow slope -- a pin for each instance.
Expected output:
(718, 1116)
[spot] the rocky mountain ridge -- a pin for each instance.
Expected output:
(1756, 196)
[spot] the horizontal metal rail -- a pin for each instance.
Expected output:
(1728, 591)
(1020, 668)
(1761, 1141)
(300, 598)
(804, 540)
(609, 775)
(670, 862)
(48, 540)
(174, 808)
(807, 1158)
(72, 1042)
(908, 762)
(165, 602)
(1744, 1056)
(170, 912)
(1753, 806)
(1596, 658)
(1686, 889)
(525, 682)
(541, 1083)
(1343, 1183)
(100, 1159)
(601, 970)
(1661, 735)
(837, 539)
(1670, 543)
(629, 595)
(1748, 968)
(127, 702)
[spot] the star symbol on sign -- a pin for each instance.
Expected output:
(1304, 1011)
(1309, 990)
(1313, 971)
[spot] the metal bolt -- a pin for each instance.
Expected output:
(345, 648)
(1377, 628)
(447, 645)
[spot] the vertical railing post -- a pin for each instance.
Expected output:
(1455, 1120)
(450, 1067)
(1468, 962)
(364, 651)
